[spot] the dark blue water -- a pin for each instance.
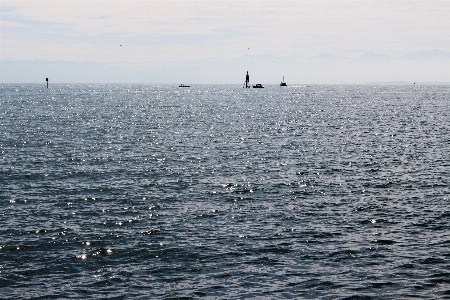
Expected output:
(219, 192)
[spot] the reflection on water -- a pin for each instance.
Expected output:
(221, 192)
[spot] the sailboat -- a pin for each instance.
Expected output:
(283, 83)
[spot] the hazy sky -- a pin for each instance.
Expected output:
(169, 30)
(165, 30)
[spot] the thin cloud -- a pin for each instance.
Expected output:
(104, 17)
(4, 23)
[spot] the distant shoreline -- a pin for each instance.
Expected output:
(407, 83)
(193, 85)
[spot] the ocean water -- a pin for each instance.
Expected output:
(220, 192)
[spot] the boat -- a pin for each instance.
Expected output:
(258, 86)
(283, 83)
(182, 85)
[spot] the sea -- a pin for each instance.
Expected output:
(120, 191)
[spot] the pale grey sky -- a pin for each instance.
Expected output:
(189, 31)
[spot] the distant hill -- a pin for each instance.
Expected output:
(428, 66)
(427, 54)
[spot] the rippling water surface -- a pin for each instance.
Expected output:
(219, 192)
